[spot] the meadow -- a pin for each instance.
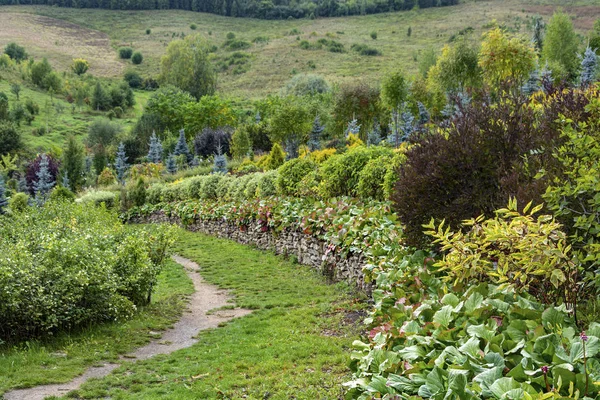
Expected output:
(274, 53)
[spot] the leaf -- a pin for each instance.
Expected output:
(502, 386)
(551, 317)
(471, 347)
(443, 316)
(473, 302)
(451, 300)
(435, 381)
(411, 353)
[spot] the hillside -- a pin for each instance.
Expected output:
(274, 53)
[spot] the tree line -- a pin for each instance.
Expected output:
(265, 9)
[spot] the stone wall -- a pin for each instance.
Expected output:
(306, 248)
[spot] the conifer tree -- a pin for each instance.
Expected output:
(240, 143)
(292, 147)
(171, 164)
(121, 163)
(538, 34)
(182, 148)
(424, 115)
(195, 161)
(22, 185)
(533, 83)
(3, 199)
(353, 128)
(220, 163)
(314, 140)
(257, 117)
(374, 136)
(65, 182)
(589, 63)
(44, 182)
(100, 98)
(405, 129)
(73, 164)
(156, 150)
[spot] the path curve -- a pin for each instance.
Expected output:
(195, 319)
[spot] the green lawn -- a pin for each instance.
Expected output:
(60, 359)
(274, 62)
(295, 345)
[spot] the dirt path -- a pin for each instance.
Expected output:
(195, 319)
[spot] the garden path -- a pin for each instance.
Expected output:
(198, 316)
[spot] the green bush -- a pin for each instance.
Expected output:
(137, 58)
(224, 186)
(267, 184)
(195, 187)
(210, 186)
(137, 194)
(341, 173)
(252, 186)
(62, 193)
(238, 187)
(155, 193)
(291, 173)
(133, 79)
(392, 174)
(18, 203)
(64, 266)
(125, 53)
(99, 197)
(371, 179)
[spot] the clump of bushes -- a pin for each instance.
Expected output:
(291, 174)
(365, 50)
(64, 266)
(137, 58)
(125, 53)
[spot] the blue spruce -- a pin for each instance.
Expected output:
(374, 136)
(171, 164)
(292, 147)
(314, 140)
(424, 115)
(257, 117)
(353, 128)
(220, 163)
(22, 185)
(65, 181)
(44, 183)
(589, 63)
(533, 83)
(405, 128)
(195, 161)
(3, 199)
(156, 150)
(121, 163)
(182, 147)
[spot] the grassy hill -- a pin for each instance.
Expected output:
(275, 53)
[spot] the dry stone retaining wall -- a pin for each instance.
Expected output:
(306, 248)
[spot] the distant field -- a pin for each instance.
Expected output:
(96, 34)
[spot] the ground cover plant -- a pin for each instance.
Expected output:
(65, 266)
(293, 345)
(65, 355)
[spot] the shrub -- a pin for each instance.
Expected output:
(223, 187)
(371, 179)
(64, 266)
(374, 35)
(62, 193)
(125, 53)
(193, 27)
(267, 184)
(392, 174)
(365, 50)
(16, 52)
(137, 194)
(341, 173)
(107, 177)
(237, 190)
(207, 142)
(133, 79)
(10, 138)
(102, 132)
(98, 198)
(276, 157)
(252, 186)
(230, 36)
(291, 174)
(137, 58)
(18, 202)
(154, 193)
(195, 187)
(148, 31)
(210, 186)
(80, 66)
(306, 85)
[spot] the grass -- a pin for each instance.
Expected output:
(295, 345)
(275, 54)
(60, 117)
(62, 358)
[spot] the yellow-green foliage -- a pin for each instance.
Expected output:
(512, 248)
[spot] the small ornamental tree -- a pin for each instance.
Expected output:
(171, 164)
(240, 143)
(561, 45)
(314, 139)
(3, 199)
(220, 164)
(182, 148)
(292, 147)
(156, 149)
(538, 34)
(16, 52)
(44, 183)
(374, 135)
(276, 157)
(406, 126)
(424, 116)
(73, 164)
(533, 83)
(589, 63)
(121, 163)
(80, 66)
(352, 128)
